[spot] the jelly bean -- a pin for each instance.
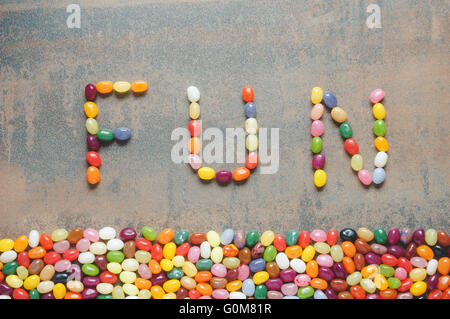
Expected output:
(179, 238)
(33, 239)
(90, 109)
(356, 162)
(322, 248)
(329, 99)
(351, 146)
(381, 144)
(194, 110)
(444, 266)
(379, 175)
(92, 126)
(121, 87)
(316, 145)
(193, 94)
(338, 115)
(267, 238)
(206, 173)
(105, 135)
(93, 175)
(346, 130)
(317, 128)
(252, 160)
(418, 288)
(336, 253)
(250, 109)
(251, 142)
(443, 238)
(93, 142)
(380, 159)
(280, 243)
(318, 161)
(139, 86)
(251, 125)
(317, 112)
(378, 111)
(122, 133)
(431, 237)
(432, 267)
(248, 94)
(305, 292)
(379, 128)
(377, 95)
(316, 95)
(104, 87)
(425, 252)
(320, 178)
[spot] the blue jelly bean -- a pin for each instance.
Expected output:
(122, 133)
(227, 236)
(248, 287)
(258, 264)
(329, 99)
(319, 294)
(378, 175)
(250, 109)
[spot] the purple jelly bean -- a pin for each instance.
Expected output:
(326, 273)
(396, 250)
(288, 275)
(339, 270)
(93, 142)
(159, 279)
(89, 293)
(373, 296)
(48, 295)
(274, 284)
(91, 281)
(372, 258)
(318, 161)
(330, 293)
(224, 176)
(419, 236)
(101, 262)
(393, 236)
(90, 91)
(5, 289)
(128, 233)
(432, 282)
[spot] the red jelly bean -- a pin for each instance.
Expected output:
(23, 259)
(303, 239)
(71, 254)
(247, 94)
(108, 277)
(94, 158)
(404, 263)
(183, 249)
(46, 241)
(252, 160)
(194, 128)
(388, 294)
(351, 146)
(143, 244)
(2, 276)
(194, 294)
(279, 243)
(90, 91)
(357, 292)
(157, 252)
(405, 285)
(52, 257)
(389, 259)
(20, 293)
(435, 294)
(332, 237)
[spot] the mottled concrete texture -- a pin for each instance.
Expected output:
(282, 49)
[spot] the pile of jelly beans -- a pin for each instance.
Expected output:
(96, 135)
(91, 264)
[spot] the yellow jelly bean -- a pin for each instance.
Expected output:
(206, 173)
(267, 238)
(21, 243)
(14, 281)
(142, 256)
(91, 109)
(122, 86)
(380, 282)
(170, 295)
(251, 142)
(92, 126)
(75, 285)
(31, 282)
(6, 244)
(188, 282)
(251, 125)
(59, 234)
(144, 294)
(114, 267)
(381, 144)
(194, 110)
(320, 178)
(169, 250)
(260, 277)
(368, 285)
(418, 274)
(431, 237)
(418, 288)
(356, 162)
(130, 289)
(104, 288)
(166, 264)
(337, 253)
(217, 255)
(189, 269)
(308, 253)
(316, 95)
(213, 238)
(354, 278)
(118, 293)
(171, 285)
(59, 291)
(234, 285)
(231, 262)
(127, 277)
(22, 272)
(378, 111)
(178, 261)
(157, 292)
(365, 234)
(45, 286)
(322, 248)
(369, 271)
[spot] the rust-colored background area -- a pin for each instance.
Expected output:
(282, 49)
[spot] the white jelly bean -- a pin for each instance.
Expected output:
(33, 238)
(8, 256)
(298, 265)
(114, 244)
(237, 295)
(107, 233)
(98, 248)
(193, 94)
(282, 261)
(381, 159)
(86, 258)
(205, 250)
(432, 267)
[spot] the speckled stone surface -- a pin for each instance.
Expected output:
(282, 49)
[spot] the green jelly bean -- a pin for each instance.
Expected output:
(105, 135)
(115, 256)
(270, 253)
(252, 238)
(386, 270)
(10, 268)
(204, 264)
(292, 237)
(104, 297)
(260, 292)
(380, 236)
(316, 145)
(175, 273)
(181, 237)
(90, 270)
(34, 294)
(305, 292)
(394, 283)
(148, 233)
(346, 130)
(379, 128)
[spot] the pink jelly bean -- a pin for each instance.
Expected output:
(62, 265)
(419, 262)
(220, 294)
(219, 270)
(91, 234)
(377, 95)
(400, 273)
(302, 280)
(325, 260)
(289, 289)
(195, 161)
(75, 272)
(318, 235)
(194, 254)
(317, 128)
(144, 271)
(365, 177)
(61, 246)
(243, 272)
(205, 297)
(83, 245)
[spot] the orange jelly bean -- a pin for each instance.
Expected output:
(357, 292)
(194, 145)
(93, 175)
(21, 243)
(165, 236)
(37, 252)
(204, 289)
(104, 87)
(154, 267)
(241, 173)
(319, 283)
(425, 252)
(230, 250)
(294, 251)
(443, 283)
(388, 294)
(73, 295)
(46, 241)
(444, 265)
(312, 268)
(203, 276)
(349, 265)
(348, 248)
(139, 86)
(143, 283)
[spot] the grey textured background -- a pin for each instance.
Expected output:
(282, 49)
